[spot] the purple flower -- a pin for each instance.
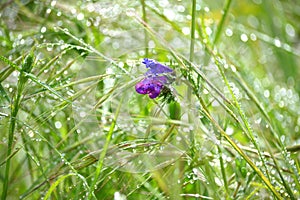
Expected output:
(156, 78)
(155, 67)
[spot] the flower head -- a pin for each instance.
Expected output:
(157, 77)
(155, 68)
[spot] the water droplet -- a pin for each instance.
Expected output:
(82, 114)
(180, 8)
(281, 104)
(48, 11)
(229, 130)
(58, 124)
(169, 14)
(253, 21)
(244, 37)
(53, 3)
(80, 16)
(253, 37)
(186, 30)
(267, 93)
(258, 121)
(115, 45)
(208, 30)
(218, 181)
(43, 29)
(30, 133)
(49, 48)
(289, 29)
(277, 42)
(233, 68)
(228, 32)
(282, 138)
(206, 9)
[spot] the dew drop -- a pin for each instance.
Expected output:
(228, 32)
(244, 37)
(282, 138)
(186, 30)
(208, 30)
(43, 29)
(233, 68)
(206, 9)
(258, 121)
(82, 114)
(229, 130)
(169, 14)
(80, 16)
(30, 133)
(49, 48)
(253, 37)
(289, 29)
(58, 124)
(267, 93)
(53, 3)
(277, 42)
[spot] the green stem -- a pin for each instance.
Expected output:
(193, 27)
(220, 27)
(223, 171)
(192, 47)
(241, 152)
(103, 153)
(26, 68)
(145, 31)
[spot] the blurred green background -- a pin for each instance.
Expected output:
(87, 59)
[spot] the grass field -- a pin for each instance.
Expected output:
(72, 125)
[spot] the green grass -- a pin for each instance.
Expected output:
(73, 127)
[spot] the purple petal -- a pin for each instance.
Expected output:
(150, 85)
(156, 67)
(140, 88)
(154, 93)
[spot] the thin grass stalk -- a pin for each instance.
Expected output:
(193, 28)
(192, 50)
(223, 171)
(285, 184)
(241, 152)
(244, 118)
(92, 49)
(103, 153)
(284, 150)
(26, 67)
(146, 38)
(58, 171)
(220, 27)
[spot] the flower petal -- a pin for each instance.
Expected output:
(151, 86)
(156, 67)
(156, 78)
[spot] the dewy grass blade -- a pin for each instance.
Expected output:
(104, 150)
(146, 39)
(241, 152)
(221, 24)
(192, 49)
(26, 68)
